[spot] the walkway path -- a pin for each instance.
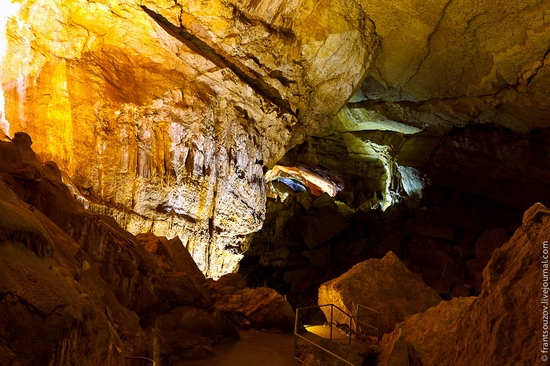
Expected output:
(255, 348)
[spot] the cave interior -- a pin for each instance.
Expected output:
(174, 173)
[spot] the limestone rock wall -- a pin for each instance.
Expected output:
(447, 69)
(444, 63)
(56, 308)
(505, 324)
(509, 310)
(76, 289)
(48, 316)
(168, 132)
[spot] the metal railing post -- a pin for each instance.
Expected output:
(350, 330)
(378, 331)
(331, 320)
(140, 358)
(295, 333)
(368, 328)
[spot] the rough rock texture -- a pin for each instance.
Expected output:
(508, 314)
(170, 255)
(415, 338)
(443, 63)
(51, 310)
(76, 289)
(171, 137)
(56, 308)
(384, 285)
(503, 325)
(136, 279)
(261, 307)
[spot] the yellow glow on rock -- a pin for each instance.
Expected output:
(59, 115)
(9, 9)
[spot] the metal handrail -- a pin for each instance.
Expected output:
(352, 319)
(321, 348)
(140, 358)
(371, 312)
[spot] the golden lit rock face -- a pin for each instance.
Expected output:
(156, 133)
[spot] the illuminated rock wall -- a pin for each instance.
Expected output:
(445, 63)
(167, 128)
(171, 137)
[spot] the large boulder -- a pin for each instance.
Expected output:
(261, 307)
(385, 285)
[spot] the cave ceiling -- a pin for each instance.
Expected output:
(165, 114)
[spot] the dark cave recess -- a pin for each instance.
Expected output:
(448, 239)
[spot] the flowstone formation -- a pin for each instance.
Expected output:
(163, 114)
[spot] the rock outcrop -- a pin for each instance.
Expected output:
(503, 325)
(163, 114)
(261, 307)
(509, 313)
(56, 308)
(77, 289)
(384, 285)
(446, 63)
(415, 338)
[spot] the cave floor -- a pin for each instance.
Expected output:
(255, 348)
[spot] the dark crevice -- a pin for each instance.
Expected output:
(220, 58)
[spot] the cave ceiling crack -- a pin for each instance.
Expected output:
(314, 7)
(213, 52)
(545, 57)
(428, 44)
(367, 18)
(181, 11)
